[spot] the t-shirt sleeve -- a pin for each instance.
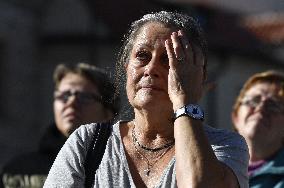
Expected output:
(68, 167)
(231, 149)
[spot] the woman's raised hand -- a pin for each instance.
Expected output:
(186, 72)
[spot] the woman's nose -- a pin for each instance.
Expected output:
(152, 69)
(72, 101)
(263, 105)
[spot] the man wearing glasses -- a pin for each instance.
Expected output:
(83, 94)
(258, 115)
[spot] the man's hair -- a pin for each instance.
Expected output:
(271, 76)
(99, 78)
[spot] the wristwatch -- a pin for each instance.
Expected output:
(192, 110)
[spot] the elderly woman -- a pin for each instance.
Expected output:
(166, 144)
(258, 115)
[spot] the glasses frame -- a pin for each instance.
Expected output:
(82, 97)
(272, 104)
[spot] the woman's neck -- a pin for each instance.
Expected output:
(152, 127)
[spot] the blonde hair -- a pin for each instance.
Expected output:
(271, 76)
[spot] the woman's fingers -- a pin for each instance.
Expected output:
(192, 53)
(178, 47)
(170, 53)
(185, 77)
(187, 48)
(180, 50)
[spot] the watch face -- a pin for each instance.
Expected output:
(195, 111)
(191, 110)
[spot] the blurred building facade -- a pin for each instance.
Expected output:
(36, 35)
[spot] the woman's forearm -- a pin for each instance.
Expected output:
(196, 163)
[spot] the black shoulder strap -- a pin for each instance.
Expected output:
(96, 151)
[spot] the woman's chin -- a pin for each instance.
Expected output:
(150, 103)
(148, 99)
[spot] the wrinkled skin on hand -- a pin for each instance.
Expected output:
(185, 79)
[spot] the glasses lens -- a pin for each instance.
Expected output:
(81, 97)
(271, 104)
(252, 101)
(63, 96)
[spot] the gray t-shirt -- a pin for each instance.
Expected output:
(68, 168)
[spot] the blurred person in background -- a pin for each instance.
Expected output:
(258, 115)
(83, 94)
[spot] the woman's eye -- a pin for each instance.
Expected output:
(143, 56)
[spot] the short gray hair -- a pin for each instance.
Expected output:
(173, 19)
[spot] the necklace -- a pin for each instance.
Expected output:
(135, 140)
(150, 165)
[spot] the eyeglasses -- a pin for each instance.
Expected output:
(271, 104)
(81, 97)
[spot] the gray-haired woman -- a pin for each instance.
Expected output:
(165, 144)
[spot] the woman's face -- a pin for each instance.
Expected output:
(260, 117)
(147, 69)
(74, 104)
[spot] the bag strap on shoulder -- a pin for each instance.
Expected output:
(96, 151)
